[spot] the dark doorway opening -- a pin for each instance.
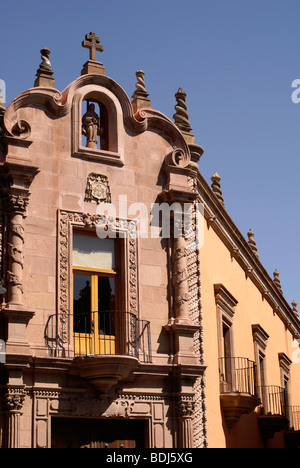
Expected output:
(97, 433)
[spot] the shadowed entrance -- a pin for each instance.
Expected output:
(97, 433)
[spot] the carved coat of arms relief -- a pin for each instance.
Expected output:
(97, 189)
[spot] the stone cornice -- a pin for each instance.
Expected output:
(260, 336)
(284, 362)
(220, 221)
(225, 300)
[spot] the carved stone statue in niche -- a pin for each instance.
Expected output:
(90, 126)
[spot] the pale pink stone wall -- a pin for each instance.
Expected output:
(61, 184)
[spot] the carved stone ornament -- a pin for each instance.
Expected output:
(97, 189)
(18, 203)
(120, 408)
(216, 187)
(252, 243)
(44, 75)
(177, 158)
(14, 399)
(180, 279)
(15, 280)
(185, 408)
(181, 116)
(21, 129)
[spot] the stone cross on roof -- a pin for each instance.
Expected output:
(92, 42)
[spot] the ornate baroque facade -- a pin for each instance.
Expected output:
(102, 323)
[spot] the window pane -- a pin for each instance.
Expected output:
(106, 293)
(106, 305)
(82, 303)
(93, 252)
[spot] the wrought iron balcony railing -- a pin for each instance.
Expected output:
(294, 417)
(273, 401)
(237, 375)
(97, 334)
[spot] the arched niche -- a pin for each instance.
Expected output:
(97, 125)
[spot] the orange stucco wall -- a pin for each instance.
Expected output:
(217, 266)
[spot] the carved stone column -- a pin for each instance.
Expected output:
(180, 325)
(178, 194)
(13, 404)
(16, 179)
(17, 205)
(185, 412)
(180, 281)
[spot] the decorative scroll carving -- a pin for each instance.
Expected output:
(21, 129)
(97, 189)
(178, 158)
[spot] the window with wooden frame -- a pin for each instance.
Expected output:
(285, 364)
(260, 339)
(226, 304)
(97, 319)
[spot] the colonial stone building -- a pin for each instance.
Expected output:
(134, 313)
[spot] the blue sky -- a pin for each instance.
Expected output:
(235, 59)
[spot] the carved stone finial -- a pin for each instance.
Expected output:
(181, 116)
(45, 73)
(140, 96)
(140, 85)
(252, 242)
(216, 187)
(277, 281)
(2, 112)
(46, 64)
(295, 310)
(181, 119)
(2, 96)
